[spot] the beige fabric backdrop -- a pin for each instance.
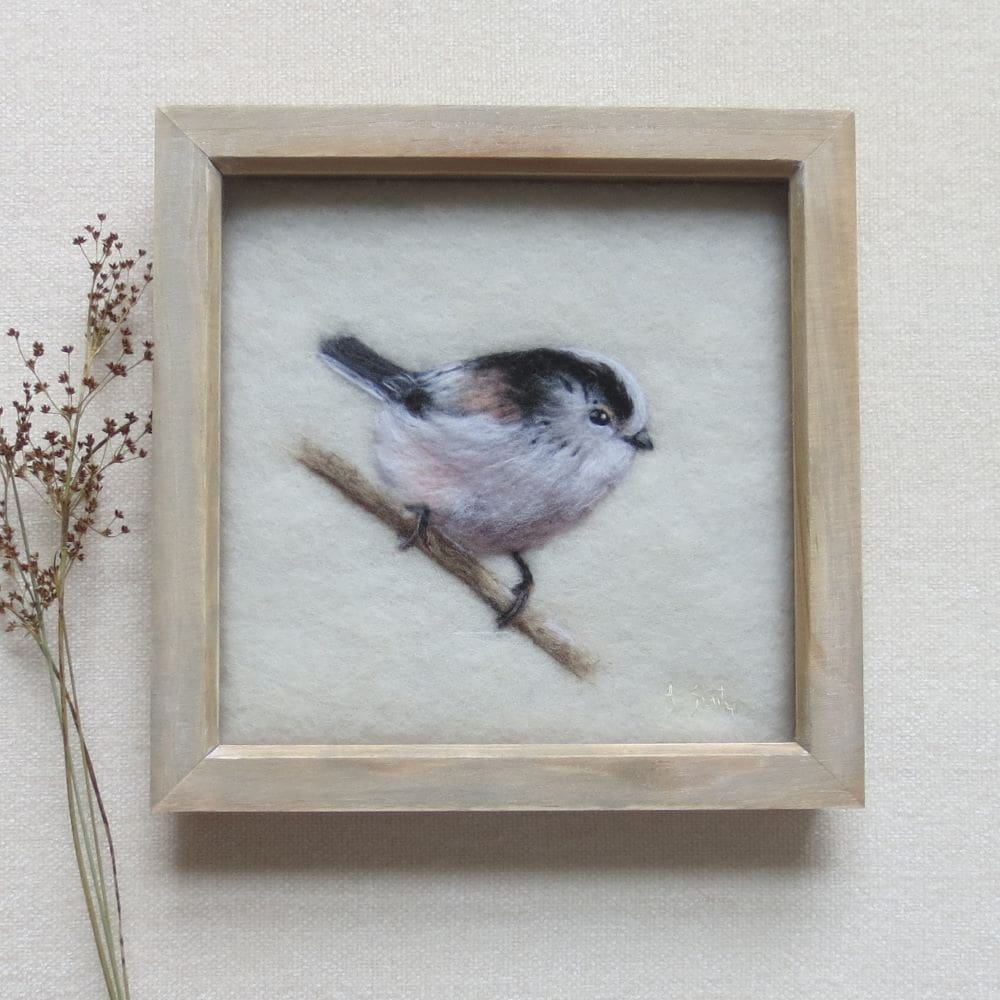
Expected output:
(899, 901)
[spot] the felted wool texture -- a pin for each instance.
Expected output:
(898, 902)
(679, 583)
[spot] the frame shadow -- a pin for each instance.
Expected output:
(228, 843)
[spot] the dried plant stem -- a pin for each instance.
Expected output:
(91, 839)
(64, 461)
(545, 634)
(112, 936)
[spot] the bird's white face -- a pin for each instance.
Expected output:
(592, 421)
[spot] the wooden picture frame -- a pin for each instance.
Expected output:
(811, 151)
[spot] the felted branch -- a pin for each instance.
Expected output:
(544, 633)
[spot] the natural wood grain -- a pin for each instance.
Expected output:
(491, 142)
(186, 303)
(543, 632)
(683, 776)
(814, 151)
(826, 456)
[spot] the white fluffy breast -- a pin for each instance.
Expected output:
(494, 487)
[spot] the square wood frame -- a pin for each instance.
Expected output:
(813, 151)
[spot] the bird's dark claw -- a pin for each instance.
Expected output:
(520, 590)
(419, 533)
(520, 593)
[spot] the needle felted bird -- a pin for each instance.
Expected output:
(502, 451)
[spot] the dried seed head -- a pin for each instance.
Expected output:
(66, 464)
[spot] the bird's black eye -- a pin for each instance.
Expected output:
(600, 417)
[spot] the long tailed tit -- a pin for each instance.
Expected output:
(503, 451)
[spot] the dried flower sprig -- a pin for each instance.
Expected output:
(54, 458)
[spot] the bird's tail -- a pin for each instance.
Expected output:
(362, 366)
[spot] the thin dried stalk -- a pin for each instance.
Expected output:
(58, 458)
(544, 633)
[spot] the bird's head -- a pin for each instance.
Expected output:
(604, 398)
(575, 399)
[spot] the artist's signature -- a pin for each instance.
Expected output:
(702, 698)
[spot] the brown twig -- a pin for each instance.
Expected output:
(545, 634)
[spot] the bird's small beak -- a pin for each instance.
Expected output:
(641, 440)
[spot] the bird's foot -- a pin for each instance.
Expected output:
(419, 532)
(521, 592)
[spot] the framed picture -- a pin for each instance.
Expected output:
(507, 459)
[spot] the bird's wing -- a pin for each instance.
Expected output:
(464, 390)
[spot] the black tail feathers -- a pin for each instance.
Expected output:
(362, 365)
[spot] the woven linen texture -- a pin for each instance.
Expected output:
(898, 901)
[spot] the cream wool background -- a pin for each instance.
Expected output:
(679, 583)
(898, 901)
